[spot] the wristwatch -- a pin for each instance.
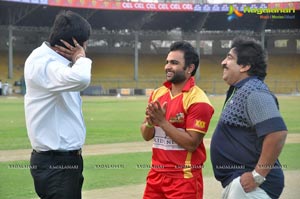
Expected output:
(259, 179)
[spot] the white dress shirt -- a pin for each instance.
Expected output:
(53, 111)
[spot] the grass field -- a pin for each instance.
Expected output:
(111, 120)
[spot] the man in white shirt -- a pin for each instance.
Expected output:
(55, 73)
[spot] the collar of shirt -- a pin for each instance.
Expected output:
(188, 85)
(52, 53)
(242, 82)
(232, 89)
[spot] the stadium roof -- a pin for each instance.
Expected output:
(116, 16)
(117, 25)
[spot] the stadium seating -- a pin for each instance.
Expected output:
(18, 70)
(115, 71)
(284, 67)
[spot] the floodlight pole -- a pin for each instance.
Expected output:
(10, 51)
(198, 51)
(262, 35)
(136, 55)
(262, 32)
(200, 25)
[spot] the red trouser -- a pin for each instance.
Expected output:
(160, 186)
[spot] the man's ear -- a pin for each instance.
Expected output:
(191, 68)
(245, 68)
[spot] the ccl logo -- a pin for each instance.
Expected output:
(233, 13)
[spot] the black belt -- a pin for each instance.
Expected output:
(59, 153)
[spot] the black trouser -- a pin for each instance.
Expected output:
(57, 175)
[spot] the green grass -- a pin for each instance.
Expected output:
(116, 170)
(12, 124)
(289, 157)
(289, 108)
(16, 182)
(99, 172)
(114, 120)
(108, 171)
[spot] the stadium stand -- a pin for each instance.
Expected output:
(111, 71)
(284, 71)
(284, 67)
(18, 70)
(110, 66)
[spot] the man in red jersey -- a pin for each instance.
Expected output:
(177, 117)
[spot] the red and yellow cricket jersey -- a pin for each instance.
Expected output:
(188, 111)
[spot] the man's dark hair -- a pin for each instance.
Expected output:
(190, 54)
(69, 24)
(250, 52)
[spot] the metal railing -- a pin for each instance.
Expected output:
(212, 87)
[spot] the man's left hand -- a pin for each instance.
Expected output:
(157, 112)
(247, 182)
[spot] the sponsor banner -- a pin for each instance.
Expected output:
(169, 7)
(226, 7)
(159, 7)
(112, 5)
(241, 7)
(287, 5)
(211, 8)
(43, 2)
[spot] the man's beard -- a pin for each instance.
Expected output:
(178, 77)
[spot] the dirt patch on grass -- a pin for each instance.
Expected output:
(212, 189)
(116, 148)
